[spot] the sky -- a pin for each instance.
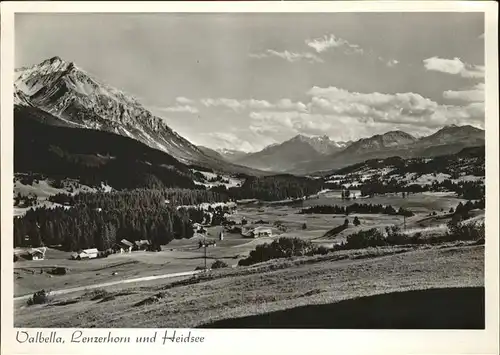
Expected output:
(244, 81)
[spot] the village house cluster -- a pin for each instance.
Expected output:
(123, 246)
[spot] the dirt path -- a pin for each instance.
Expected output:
(113, 283)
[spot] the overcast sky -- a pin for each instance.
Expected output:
(244, 81)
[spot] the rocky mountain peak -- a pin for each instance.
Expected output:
(71, 94)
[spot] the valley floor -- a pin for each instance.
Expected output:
(269, 287)
(183, 255)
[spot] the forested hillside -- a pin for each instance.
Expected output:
(91, 156)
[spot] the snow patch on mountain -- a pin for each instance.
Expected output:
(322, 144)
(71, 94)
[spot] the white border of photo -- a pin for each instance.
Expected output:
(262, 341)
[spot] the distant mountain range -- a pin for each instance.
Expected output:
(232, 155)
(304, 155)
(228, 155)
(58, 93)
(285, 156)
(78, 100)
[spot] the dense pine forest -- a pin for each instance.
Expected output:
(99, 219)
(275, 188)
(356, 208)
(159, 215)
(85, 227)
(140, 198)
(469, 190)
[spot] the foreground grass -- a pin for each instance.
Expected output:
(265, 288)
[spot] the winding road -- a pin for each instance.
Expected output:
(113, 283)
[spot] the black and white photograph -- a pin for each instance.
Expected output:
(249, 170)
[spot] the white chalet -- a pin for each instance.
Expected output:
(86, 254)
(257, 232)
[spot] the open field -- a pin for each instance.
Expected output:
(178, 256)
(28, 277)
(276, 286)
(424, 202)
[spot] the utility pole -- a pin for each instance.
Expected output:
(404, 221)
(205, 246)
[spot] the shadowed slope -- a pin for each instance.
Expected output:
(90, 155)
(447, 308)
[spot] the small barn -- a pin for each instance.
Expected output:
(262, 232)
(124, 246)
(142, 244)
(257, 232)
(36, 254)
(86, 254)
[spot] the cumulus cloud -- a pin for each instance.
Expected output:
(184, 100)
(338, 127)
(252, 104)
(351, 127)
(392, 62)
(388, 62)
(287, 104)
(179, 108)
(454, 66)
(350, 115)
(288, 56)
(321, 45)
(379, 101)
(475, 94)
(299, 122)
(338, 113)
(389, 108)
(243, 141)
(400, 108)
(327, 42)
(236, 105)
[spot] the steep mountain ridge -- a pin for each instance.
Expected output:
(66, 91)
(77, 99)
